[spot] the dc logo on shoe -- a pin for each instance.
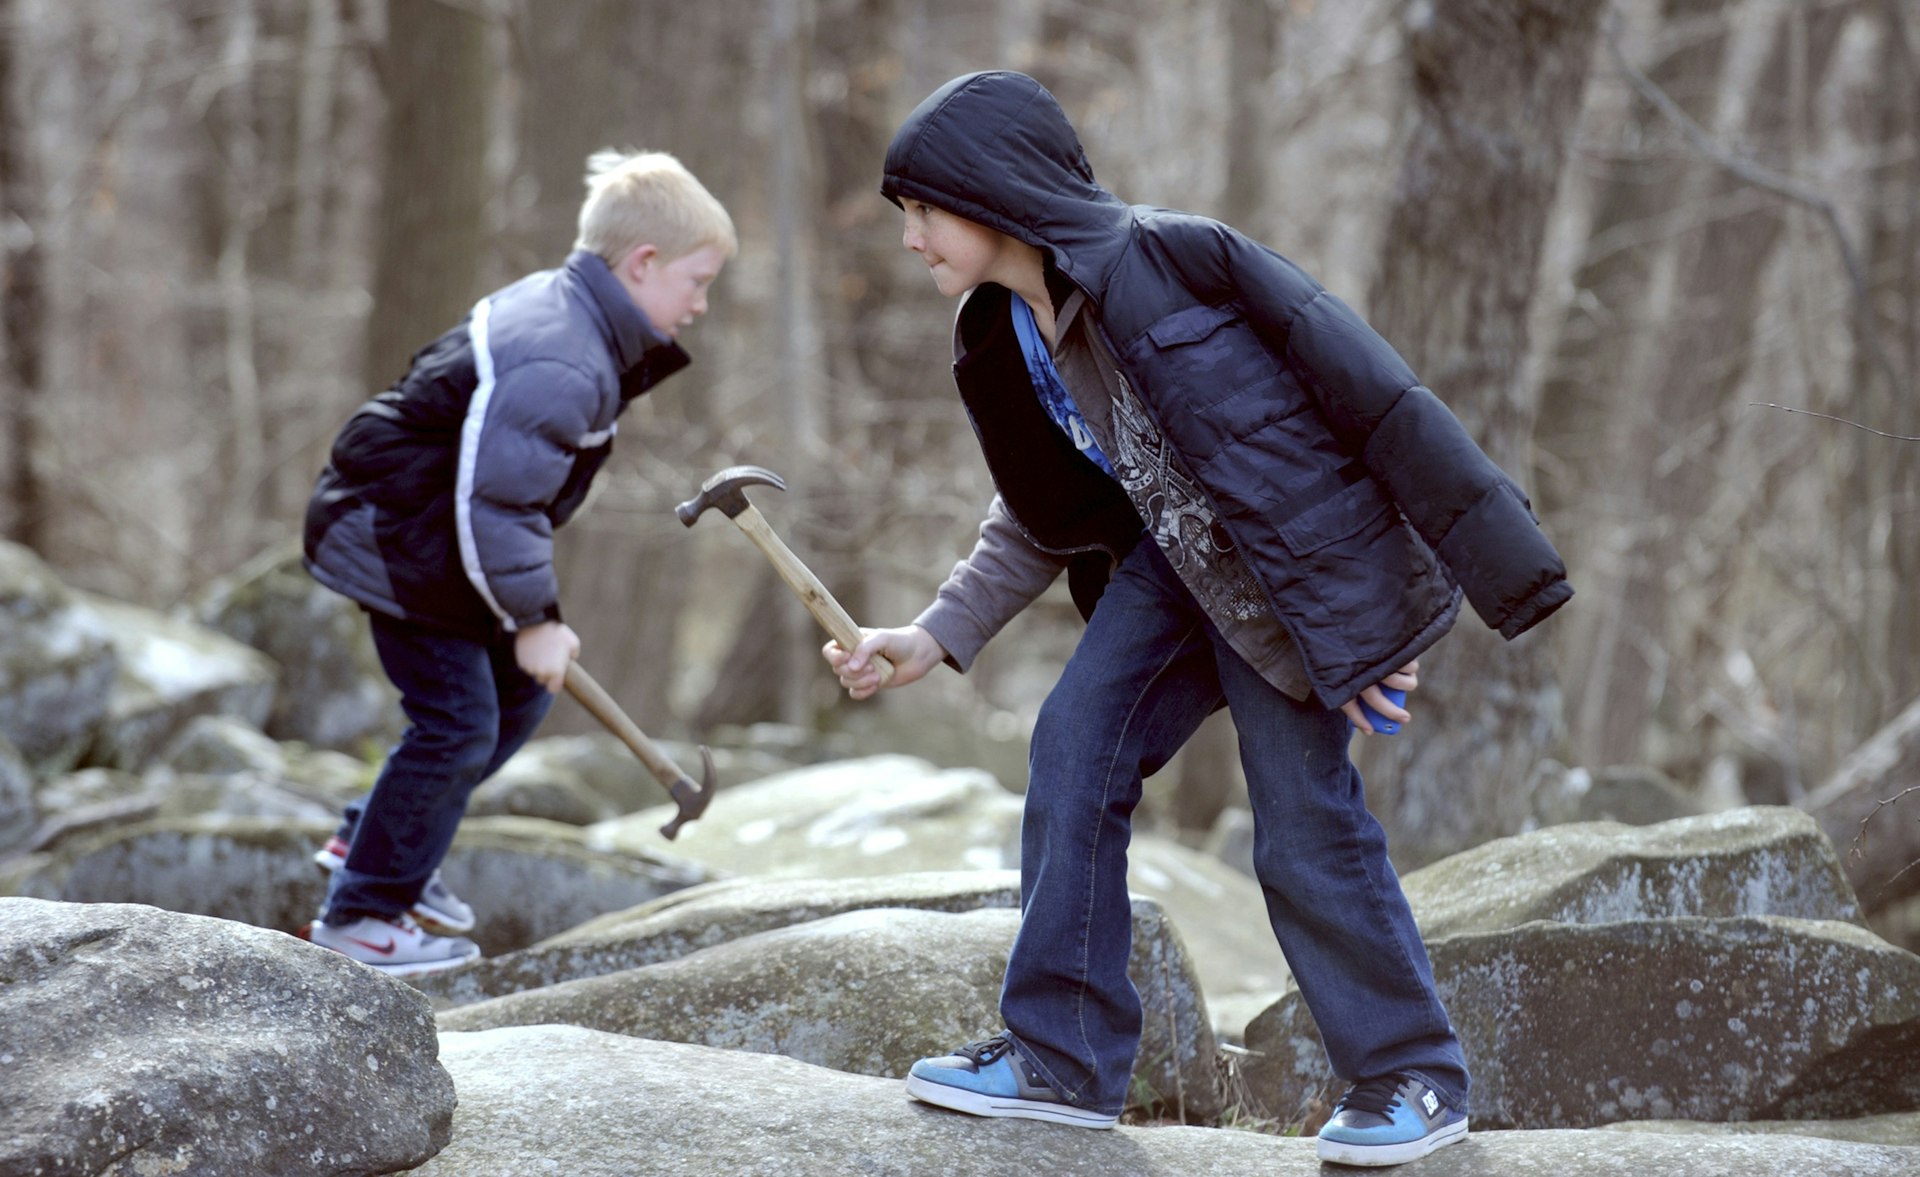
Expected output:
(1431, 1102)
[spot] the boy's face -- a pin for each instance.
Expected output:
(961, 253)
(671, 293)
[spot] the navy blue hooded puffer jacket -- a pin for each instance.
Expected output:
(1356, 496)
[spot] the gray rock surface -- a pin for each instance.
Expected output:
(18, 813)
(1634, 795)
(171, 671)
(527, 879)
(878, 815)
(1698, 1019)
(57, 667)
(1901, 1128)
(531, 785)
(1763, 860)
(217, 745)
(332, 693)
(703, 916)
(871, 991)
(135, 1041)
(891, 814)
(563, 1100)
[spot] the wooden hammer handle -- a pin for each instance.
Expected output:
(596, 700)
(814, 595)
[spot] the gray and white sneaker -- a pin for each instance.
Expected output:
(397, 947)
(438, 909)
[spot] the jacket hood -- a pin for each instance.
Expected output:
(995, 148)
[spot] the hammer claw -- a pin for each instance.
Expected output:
(692, 798)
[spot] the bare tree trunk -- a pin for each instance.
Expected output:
(799, 353)
(22, 298)
(1496, 85)
(438, 74)
(243, 209)
(1210, 776)
(1890, 471)
(1623, 293)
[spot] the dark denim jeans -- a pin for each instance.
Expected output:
(1149, 668)
(469, 707)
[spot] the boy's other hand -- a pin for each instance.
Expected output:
(1404, 679)
(544, 651)
(912, 650)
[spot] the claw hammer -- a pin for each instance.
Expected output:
(727, 491)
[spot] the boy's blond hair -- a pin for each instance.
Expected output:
(637, 198)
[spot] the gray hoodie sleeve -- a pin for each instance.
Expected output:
(1003, 575)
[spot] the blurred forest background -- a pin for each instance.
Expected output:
(1611, 235)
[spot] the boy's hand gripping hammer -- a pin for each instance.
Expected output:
(727, 491)
(691, 798)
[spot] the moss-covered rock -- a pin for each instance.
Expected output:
(1763, 860)
(141, 1041)
(169, 672)
(1701, 1019)
(870, 991)
(699, 917)
(526, 879)
(57, 667)
(333, 693)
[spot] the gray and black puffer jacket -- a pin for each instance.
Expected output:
(439, 501)
(1361, 504)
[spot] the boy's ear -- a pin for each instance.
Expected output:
(634, 265)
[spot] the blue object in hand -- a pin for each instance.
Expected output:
(1381, 724)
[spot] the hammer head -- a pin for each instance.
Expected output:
(727, 490)
(692, 798)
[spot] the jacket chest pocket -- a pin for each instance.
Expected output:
(1210, 366)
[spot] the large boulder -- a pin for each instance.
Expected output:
(137, 1041)
(532, 785)
(611, 770)
(57, 667)
(527, 879)
(1699, 1019)
(1764, 860)
(559, 1099)
(1634, 795)
(870, 991)
(332, 691)
(700, 917)
(891, 814)
(171, 671)
(18, 813)
(1901, 1128)
(879, 815)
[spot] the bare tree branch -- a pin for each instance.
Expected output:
(1765, 178)
(1831, 417)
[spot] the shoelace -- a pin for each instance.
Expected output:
(1372, 1095)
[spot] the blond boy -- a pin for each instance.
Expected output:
(436, 514)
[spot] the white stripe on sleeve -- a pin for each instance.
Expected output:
(469, 452)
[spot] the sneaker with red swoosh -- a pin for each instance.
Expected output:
(398, 947)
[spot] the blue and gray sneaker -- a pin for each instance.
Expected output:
(990, 1079)
(1388, 1121)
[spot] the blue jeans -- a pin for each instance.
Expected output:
(1149, 668)
(469, 706)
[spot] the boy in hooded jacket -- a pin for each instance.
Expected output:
(1258, 505)
(436, 514)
